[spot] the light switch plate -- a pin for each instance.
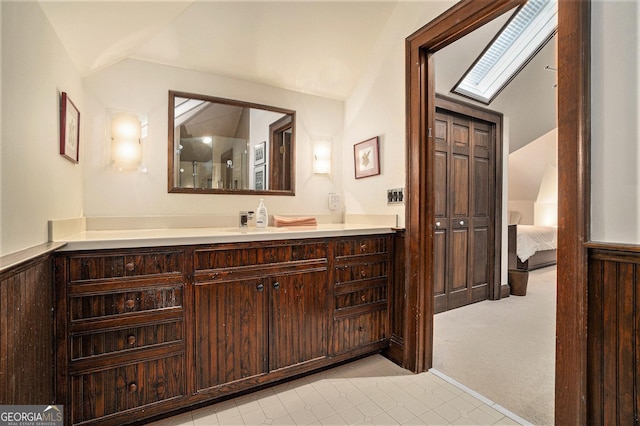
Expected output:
(334, 201)
(395, 196)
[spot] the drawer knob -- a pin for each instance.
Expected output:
(131, 340)
(260, 287)
(276, 285)
(133, 387)
(130, 266)
(363, 273)
(363, 247)
(130, 303)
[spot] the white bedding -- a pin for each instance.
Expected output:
(532, 239)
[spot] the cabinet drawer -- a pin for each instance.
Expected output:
(102, 393)
(126, 301)
(353, 296)
(362, 246)
(352, 332)
(100, 266)
(113, 341)
(236, 255)
(361, 271)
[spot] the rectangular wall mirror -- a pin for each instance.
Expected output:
(219, 145)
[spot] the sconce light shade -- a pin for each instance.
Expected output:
(322, 159)
(126, 149)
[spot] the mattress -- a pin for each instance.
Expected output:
(531, 239)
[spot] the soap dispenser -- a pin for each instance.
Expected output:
(261, 215)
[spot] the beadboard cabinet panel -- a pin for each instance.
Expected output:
(614, 335)
(27, 333)
(145, 332)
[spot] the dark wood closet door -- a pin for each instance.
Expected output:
(463, 232)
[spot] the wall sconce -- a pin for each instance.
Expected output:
(125, 135)
(322, 158)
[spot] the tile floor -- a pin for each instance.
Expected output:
(370, 391)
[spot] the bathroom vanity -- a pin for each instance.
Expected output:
(145, 331)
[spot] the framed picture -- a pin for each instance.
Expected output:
(260, 153)
(366, 158)
(69, 129)
(259, 177)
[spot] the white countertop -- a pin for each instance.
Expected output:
(131, 238)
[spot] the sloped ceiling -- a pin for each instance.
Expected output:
(314, 47)
(311, 47)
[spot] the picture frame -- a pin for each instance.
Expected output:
(260, 151)
(366, 158)
(259, 177)
(69, 129)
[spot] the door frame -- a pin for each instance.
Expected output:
(574, 19)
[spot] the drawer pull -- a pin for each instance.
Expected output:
(260, 287)
(276, 285)
(133, 387)
(130, 266)
(131, 340)
(130, 303)
(361, 328)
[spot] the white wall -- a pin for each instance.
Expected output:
(37, 184)
(142, 87)
(615, 82)
(527, 169)
(377, 108)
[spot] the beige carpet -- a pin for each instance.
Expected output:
(505, 350)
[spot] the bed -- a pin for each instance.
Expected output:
(532, 247)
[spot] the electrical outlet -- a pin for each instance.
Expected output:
(334, 201)
(395, 196)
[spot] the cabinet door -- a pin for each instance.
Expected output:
(230, 331)
(299, 314)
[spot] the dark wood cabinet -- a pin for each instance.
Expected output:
(361, 293)
(143, 332)
(120, 320)
(258, 308)
(230, 331)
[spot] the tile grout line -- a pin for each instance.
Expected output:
(481, 398)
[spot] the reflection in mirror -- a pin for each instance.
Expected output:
(225, 146)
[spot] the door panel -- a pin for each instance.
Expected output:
(230, 332)
(299, 318)
(460, 188)
(464, 205)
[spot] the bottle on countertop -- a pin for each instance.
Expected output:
(262, 217)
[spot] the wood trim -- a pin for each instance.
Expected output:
(461, 19)
(573, 210)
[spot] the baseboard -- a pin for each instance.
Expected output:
(505, 291)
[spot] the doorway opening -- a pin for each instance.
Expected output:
(573, 165)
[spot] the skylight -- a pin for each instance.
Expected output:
(526, 33)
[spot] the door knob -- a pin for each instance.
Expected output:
(462, 222)
(438, 224)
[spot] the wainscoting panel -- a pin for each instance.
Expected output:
(26, 333)
(613, 334)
